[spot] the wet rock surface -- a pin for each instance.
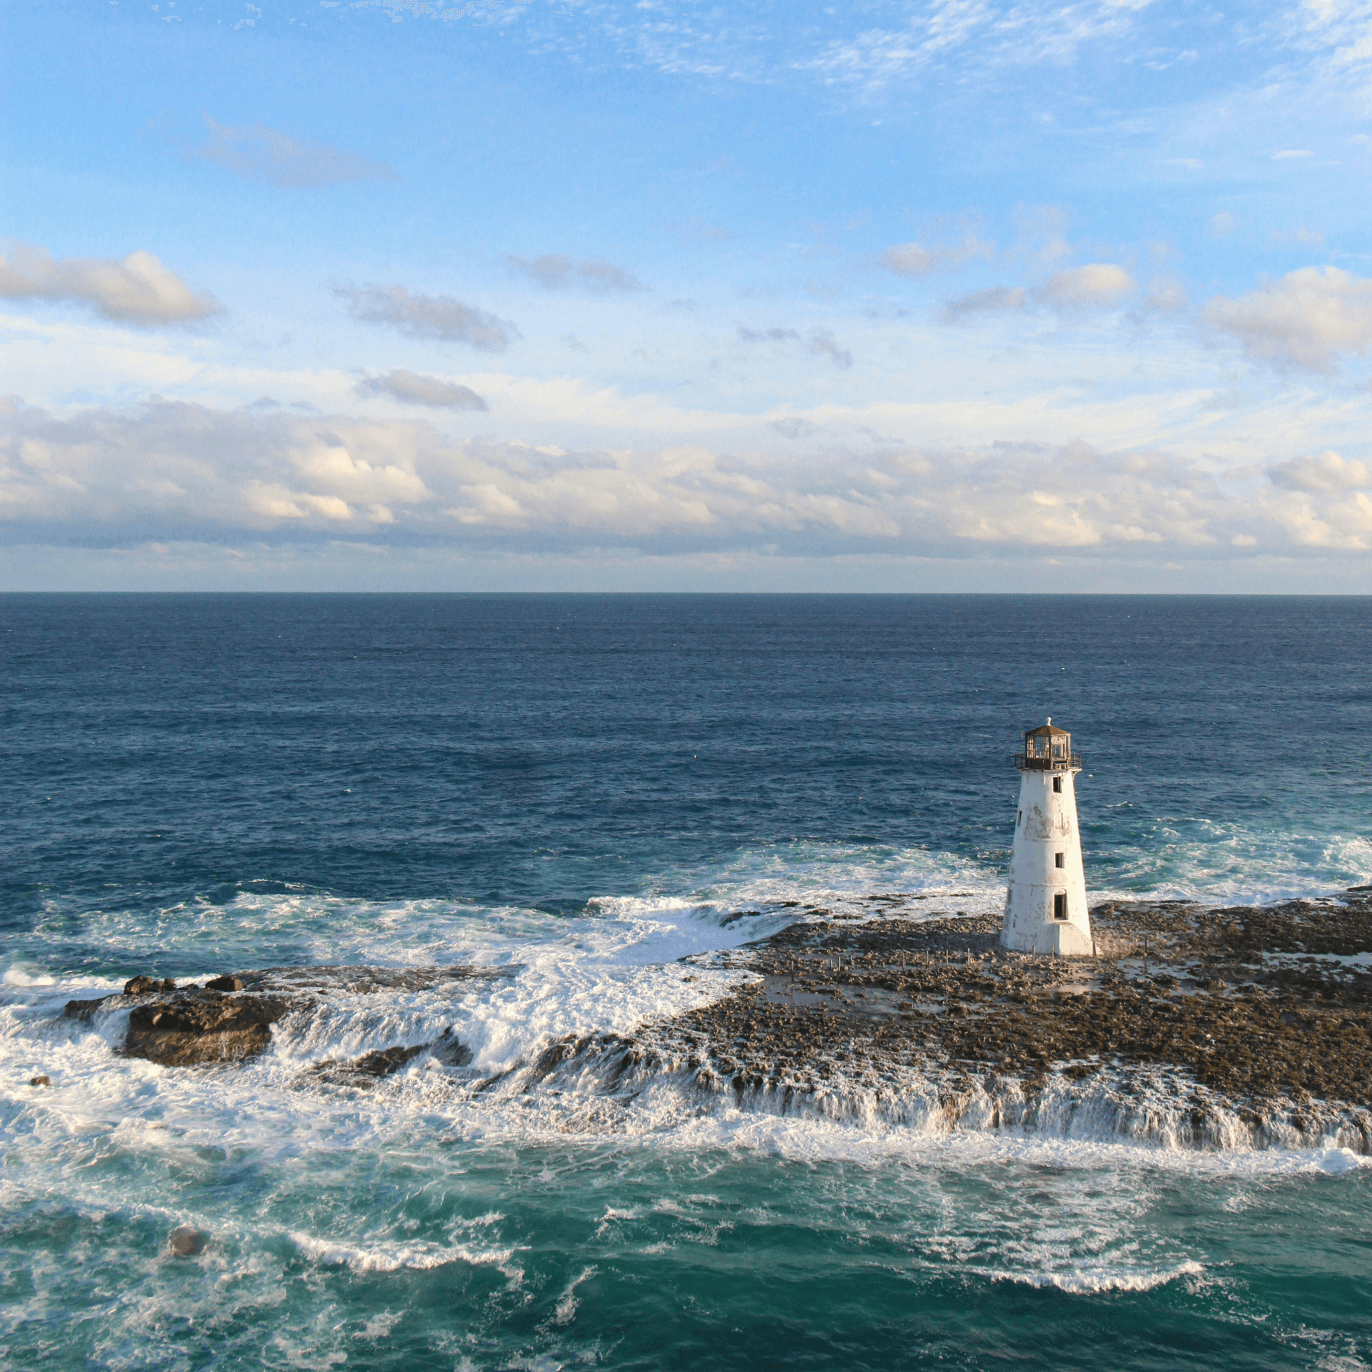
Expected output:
(138, 986)
(203, 1026)
(230, 1018)
(1253, 1005)
(185, 1242)
(382, 1062)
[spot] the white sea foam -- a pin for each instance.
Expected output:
(1091, 1278)
(392, 1257)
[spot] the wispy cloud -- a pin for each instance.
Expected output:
(819, 343)
(991, 300)
(556, 272)
(1307, 319)
(1302, 237)
(1095, 285)
(698, 233)
(263, 154)
(919, 259)
(822, 343)
(773, 335)
(136, 289)
(412, 388)
(429, 316)
(996, 35)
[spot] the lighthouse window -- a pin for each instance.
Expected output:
(1057, 783)
(1060, 905)
(1059, 859)
(1019, 818)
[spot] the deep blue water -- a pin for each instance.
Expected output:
(580, 787)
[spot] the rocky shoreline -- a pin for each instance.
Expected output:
(1256, 1021)
(1263, 1010)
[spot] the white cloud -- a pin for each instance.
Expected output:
(1306, 319)
(556, 272)
(110, 474)
(136, 289)
(915, 259)
(263, 154)
(123, 477)
(1097, 283)
(1325, 472)
(1221, 224)
(414, 389)
(429, 316)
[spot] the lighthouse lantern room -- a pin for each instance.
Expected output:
(1045, 902)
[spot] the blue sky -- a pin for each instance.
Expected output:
(658, 295)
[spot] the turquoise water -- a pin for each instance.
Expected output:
(577, 792)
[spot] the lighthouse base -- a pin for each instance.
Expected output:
(1056, 940)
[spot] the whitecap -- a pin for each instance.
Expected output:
(393, 1257)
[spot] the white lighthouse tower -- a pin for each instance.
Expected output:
(1045, 903)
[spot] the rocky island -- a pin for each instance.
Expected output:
(1220, 1026)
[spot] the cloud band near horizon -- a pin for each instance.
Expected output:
(167, 470)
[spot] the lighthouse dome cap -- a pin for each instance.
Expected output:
(1049, 730)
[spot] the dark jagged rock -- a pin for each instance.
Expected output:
(225, 984)
(40, 1081)
(370, 1067)
(84, 1009)
(203, 1026)
(141, 986)
(186, 1242)
(450, 1050)
(383, 1061)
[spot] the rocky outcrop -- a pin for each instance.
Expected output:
(185, 1242)
(203, 1026)
(230, 1019)
(138, 986)
(84, 1010)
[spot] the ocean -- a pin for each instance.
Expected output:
(574, 793)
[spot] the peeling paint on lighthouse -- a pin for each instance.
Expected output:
(1045, 903)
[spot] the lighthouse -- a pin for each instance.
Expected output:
(1045, 903)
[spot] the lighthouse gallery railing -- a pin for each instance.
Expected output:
(1035, 762)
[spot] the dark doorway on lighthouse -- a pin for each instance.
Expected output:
(1059, 904)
